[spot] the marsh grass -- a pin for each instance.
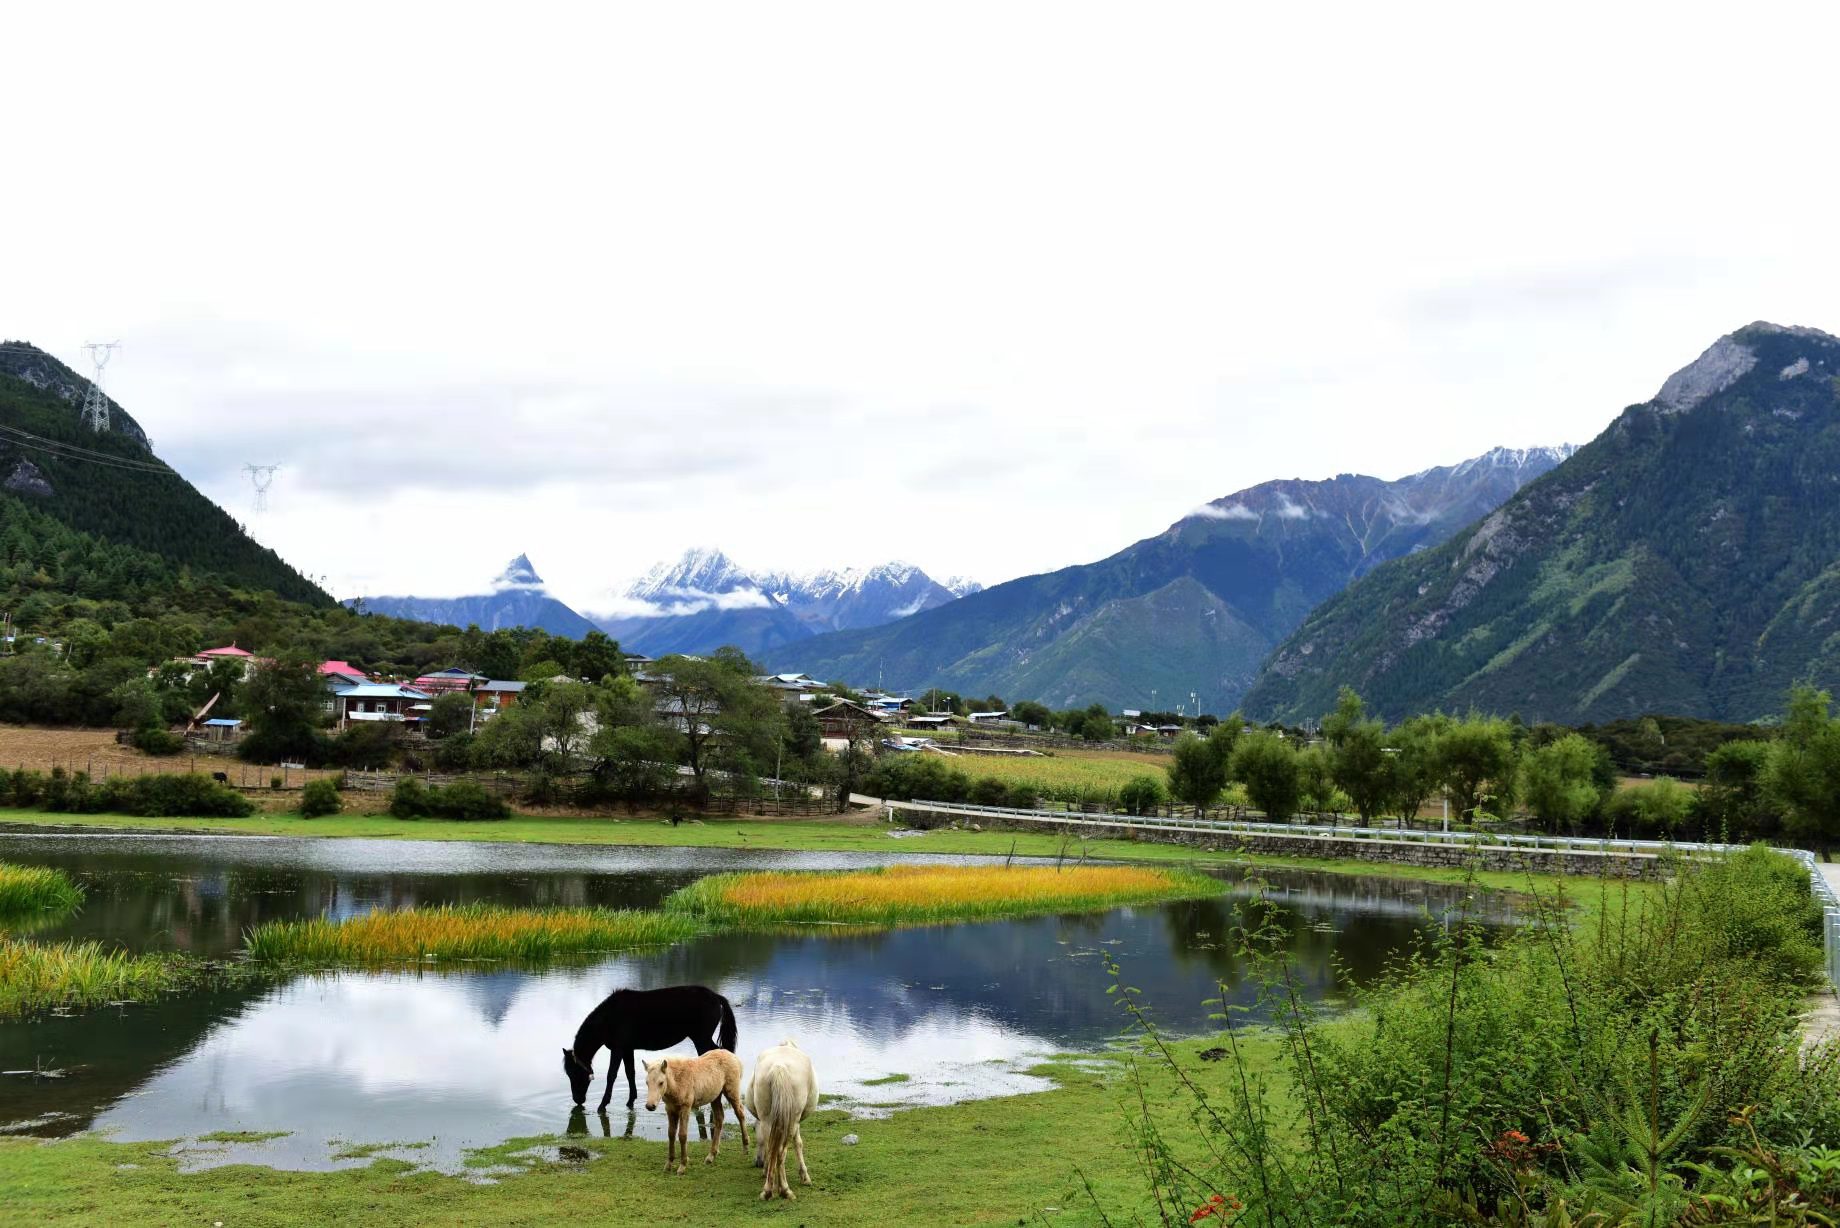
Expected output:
(28, 890)
(35, 976)
(928, 895)
(472, 931)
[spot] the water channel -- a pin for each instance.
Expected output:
(452, 1059)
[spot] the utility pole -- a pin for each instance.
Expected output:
(261, 477)
(96, 405)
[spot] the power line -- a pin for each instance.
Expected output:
(95, 404)
(71, 452)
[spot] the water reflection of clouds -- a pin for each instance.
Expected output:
(462, 1061)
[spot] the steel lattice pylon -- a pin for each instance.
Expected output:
(95, 404)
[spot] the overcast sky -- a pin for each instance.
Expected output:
(992, 288)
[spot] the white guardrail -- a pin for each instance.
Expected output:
(1823, 891)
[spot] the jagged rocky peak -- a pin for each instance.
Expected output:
(518, 573)
(701, 569)
(1730, 359)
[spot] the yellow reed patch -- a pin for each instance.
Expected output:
(907, 894)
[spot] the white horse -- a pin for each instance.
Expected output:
(784, 1093)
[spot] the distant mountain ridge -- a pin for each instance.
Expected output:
(704, 600)
(517, 598)
(1686, 561)
(1194, 609)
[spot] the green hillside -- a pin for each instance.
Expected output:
(111, 485)
(1685, 561)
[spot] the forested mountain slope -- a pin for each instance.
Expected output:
(1686, 561)
(1196, 608)
(111, 485)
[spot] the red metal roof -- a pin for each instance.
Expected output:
(229, 651)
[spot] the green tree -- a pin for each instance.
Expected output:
(1031, 713)
(1197, 772)
(1265, 763)
(1316, 782)
(450, 713)
(597, 657)
(1475, 759)
(1732, 800)
(1802, 774)
(1363, 766)
(1417, 768)
(286, 706)
(1558, 781)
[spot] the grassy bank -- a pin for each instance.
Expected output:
(35, 891)
(473, 931)
(39, 976)
(857, 833)
(929, 894)
(993, 1162)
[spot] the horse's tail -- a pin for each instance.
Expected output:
(727, 1036)
(781, 1113)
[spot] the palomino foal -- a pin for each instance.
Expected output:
(686, 1084)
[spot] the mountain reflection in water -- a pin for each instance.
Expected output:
(468, 1057)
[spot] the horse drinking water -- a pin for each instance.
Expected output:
(645, 1019)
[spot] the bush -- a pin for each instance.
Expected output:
(156, 741)
(1141, 795)
(464, 799)
(187, 795)
(409, 800)
(1659, 808)
(320, 797)
(368, 745)
(467, 799)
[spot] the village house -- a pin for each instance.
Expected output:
(381, 701)
(491, 698)
(845, 720)
(452, 679)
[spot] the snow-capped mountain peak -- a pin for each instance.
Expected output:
(518, 573)
(704, 583)
(700, 570)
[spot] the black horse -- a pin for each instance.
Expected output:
(649, 1019)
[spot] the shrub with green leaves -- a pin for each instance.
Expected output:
(463, 799)
(320, 797)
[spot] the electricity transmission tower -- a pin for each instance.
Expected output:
(95, 405)
(261, 477)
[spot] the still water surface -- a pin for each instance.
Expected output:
(463, 1058)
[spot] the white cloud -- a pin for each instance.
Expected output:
(678, 602)
(1223, 511)
(827, 282)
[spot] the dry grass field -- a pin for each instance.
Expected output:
(95, 751)
(1079, 769)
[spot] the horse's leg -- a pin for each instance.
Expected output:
(683, 1140)
(715, 1131)
(798, 1141)
(613, 1076)
(734, 1098)
(670, 1136)
(632, 1084)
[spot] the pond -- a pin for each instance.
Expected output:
(446, 1061)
